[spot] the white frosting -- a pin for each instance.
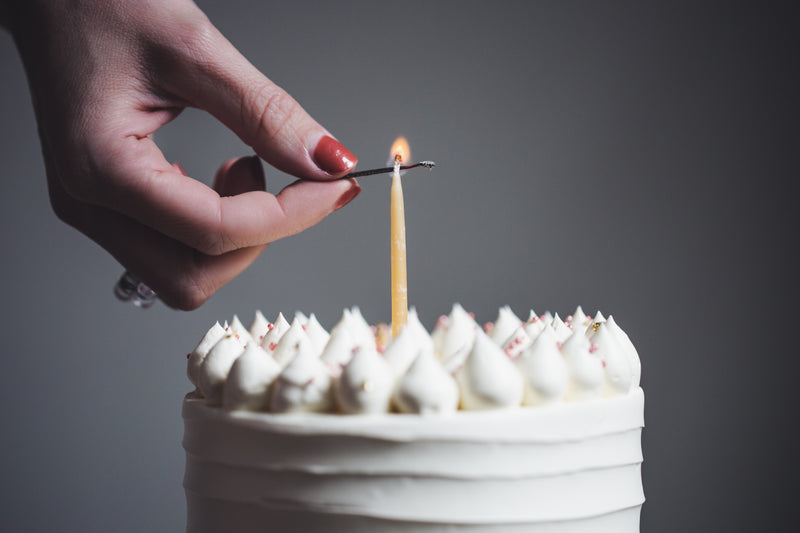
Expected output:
(585, 369)
(437, 336)
(629, 349)
(445, 470)
(301, 316)
(579, 321)
(505, 324)
(402, 351)
(316, 334)
(606, 365)
(561, 329)
(516, 343)
(259, 327)
(616, 365)
(470, 471)
(304, 385)
(426, 388)
(358, 328)
(488, 379)
(216, 365)
(291, 343)
(273, 336)
(544, 370)
(598, 317)
(457, 339)
(239, 330)
(247, 385)
(201, 350)
(364, 334)
(423, 339)
(365, 386)
(338, 350)
(534, 325)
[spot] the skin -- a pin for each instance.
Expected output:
(104, 75)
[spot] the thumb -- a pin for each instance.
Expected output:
(217, 78)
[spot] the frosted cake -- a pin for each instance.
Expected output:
(520, 425)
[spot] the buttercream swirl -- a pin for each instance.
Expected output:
(488, 379)
(248, 382)
(365, 385)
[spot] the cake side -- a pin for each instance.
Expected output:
(520, 468)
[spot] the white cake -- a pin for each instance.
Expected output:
(441, 434)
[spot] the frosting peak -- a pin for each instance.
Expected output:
(365, 385)
(488, 379)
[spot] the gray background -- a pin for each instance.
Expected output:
(635, 158)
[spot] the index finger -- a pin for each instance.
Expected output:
(145, 187)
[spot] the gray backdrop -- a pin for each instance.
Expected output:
(630, 157)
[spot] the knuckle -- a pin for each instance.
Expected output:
(211, 243)
(216, 239)
(274, 109)
(196, 38)
(192, 291)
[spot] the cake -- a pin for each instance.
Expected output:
(521, 425)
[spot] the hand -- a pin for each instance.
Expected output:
(104, 75)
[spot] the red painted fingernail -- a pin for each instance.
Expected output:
(332, 157)
(258, 171)
(347, 197)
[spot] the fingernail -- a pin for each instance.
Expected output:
(332, 157)
(348, 196)
(258, 171)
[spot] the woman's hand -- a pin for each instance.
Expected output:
(104, 75)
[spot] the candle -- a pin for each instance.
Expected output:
(400, 152)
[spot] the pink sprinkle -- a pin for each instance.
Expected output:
(441, 321)
(272, 346)
(559, 344)
(569, 318)
(471, 315)
(604, 364)
(310, 381)
(305, 326)
(593, 348)
(188, 355)
(488, 327)
(568, 325)
(533, 319)
(270, 326)
(381, 349)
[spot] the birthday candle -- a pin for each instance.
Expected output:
(400, 153)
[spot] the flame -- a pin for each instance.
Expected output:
(400, 150)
